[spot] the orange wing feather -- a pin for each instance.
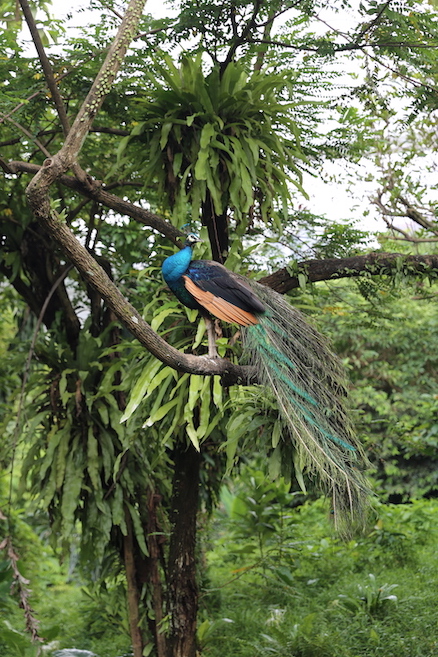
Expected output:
(220, 308)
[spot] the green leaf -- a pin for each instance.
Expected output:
(140, 388)
(302, 280)
(208, 132)
(159, 319)
(196, 385)
(61, 453)
(204, 415)
(201, 165)
(163, 374)
(276, 434)
(192, 434)
(139, 531)
(299, 472)
(275, 463)
(200, 332)
(177, 162)
(93, 459)
(217, 392)
(71, 493)
(165, 130)
(117, 508)
(161, 412)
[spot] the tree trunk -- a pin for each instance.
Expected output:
(151, 571)
(133, 596)
(217, 226)
(182, 586)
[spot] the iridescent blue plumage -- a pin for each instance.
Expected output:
(173, 269)
(291, 359)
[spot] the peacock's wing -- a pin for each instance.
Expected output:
(224, 294)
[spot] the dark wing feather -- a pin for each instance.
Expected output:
(214, 278)
(219, 307)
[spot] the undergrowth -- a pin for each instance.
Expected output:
(281, 583)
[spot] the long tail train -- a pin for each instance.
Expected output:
(294, 361)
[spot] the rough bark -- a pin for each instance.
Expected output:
(152, 571)
(182, 585)
(217, 227)
(376, 264)
(132, 590)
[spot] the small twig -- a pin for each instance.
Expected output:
(279, 13)
(375, 20)
(348, 47)
(239, 40)
(28, 134)
(20, 583)
(48, 73)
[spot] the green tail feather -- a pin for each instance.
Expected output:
(308, 381)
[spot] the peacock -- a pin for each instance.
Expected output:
(290, 358)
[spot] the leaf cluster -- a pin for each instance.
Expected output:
(226, 135)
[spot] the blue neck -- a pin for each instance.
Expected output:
(176, 265)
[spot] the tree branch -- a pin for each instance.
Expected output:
(282, 280)
(100, 195)
(338, 48)
(28, 134)
(128, 315)
(47, 69)
(37, 191)
(239, 40)
(376, 264)
(39, 200)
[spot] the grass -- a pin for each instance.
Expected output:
(313, 595)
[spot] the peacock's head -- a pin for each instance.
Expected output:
(191, 239)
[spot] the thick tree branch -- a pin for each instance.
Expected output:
(128, 315)
(376, 264)
(390, 211)
(282, 280)
(37, 191)
(99, 194)
(39, 200)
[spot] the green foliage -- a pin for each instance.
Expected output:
(178, 406)
(380, 334)
(371, 598)
(330, 604)
(257, 511)
(308, 638)
(216, 134)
